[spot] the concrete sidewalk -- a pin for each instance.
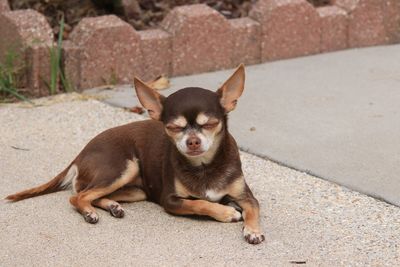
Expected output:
(305, 219)
(334, 115)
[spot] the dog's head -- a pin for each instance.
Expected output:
(193, 117)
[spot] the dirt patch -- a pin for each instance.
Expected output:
(141, 14)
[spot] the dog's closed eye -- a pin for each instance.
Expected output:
(210, 125)
(174, 128)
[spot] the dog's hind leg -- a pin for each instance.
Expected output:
(83, 200)
(126, 194)
(112, 206)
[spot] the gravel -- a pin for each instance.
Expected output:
(305, 219)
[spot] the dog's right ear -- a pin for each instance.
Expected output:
(149, 98)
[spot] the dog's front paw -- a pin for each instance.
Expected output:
(91, 217)
(252, 236)
(230, 214)
(117, 211)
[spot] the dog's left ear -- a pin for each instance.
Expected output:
(232, 89)
(149, 98)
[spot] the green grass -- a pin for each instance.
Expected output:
(56, 71)
(8, 78)
(9, 73)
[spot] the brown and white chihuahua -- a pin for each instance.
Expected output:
(184, 159)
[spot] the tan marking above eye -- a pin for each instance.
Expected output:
(202, 118)
(176, 125)
(180, 121)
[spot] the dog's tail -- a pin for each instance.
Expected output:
(58, 183)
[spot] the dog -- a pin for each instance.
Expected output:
(183, 158)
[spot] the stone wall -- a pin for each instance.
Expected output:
(196, 38)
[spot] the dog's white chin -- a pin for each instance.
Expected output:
(199, 157)
(194, 154)
(185, 151)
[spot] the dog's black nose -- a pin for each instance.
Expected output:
(193, 143)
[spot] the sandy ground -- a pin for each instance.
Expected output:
(305, 219)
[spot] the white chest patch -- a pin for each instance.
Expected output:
(215, 196)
